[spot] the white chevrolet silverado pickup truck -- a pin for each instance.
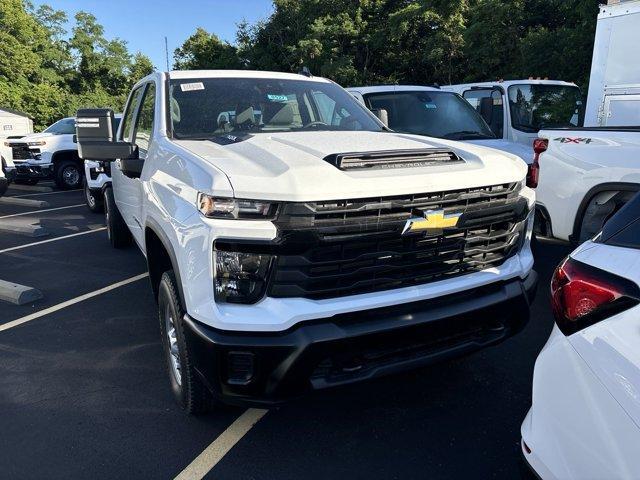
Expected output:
(293, 243)
(51, 153)
(585, 176)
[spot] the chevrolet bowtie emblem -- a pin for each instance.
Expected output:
(431, 221)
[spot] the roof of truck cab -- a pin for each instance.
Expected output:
(198, 74)
(392, 88)
(508, 83)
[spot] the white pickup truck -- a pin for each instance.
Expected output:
(51, 153)
(4, 182)
(585, 176)
(517, 109)
(294, 243)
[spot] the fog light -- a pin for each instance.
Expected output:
(240, 277)
(240, 368)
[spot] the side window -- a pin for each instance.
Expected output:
(144, 122)
(127, 130)
(488, 103)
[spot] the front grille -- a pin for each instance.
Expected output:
(21, 151)
(333, 249)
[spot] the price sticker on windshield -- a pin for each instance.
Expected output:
(277, 98)
(190, 87)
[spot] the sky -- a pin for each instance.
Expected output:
(145, 23)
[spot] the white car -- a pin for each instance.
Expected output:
(293, 244)
(50, 154)
(584, 422)
(434, 112)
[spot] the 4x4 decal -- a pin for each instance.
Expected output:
(572, 140)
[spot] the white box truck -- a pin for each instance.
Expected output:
(614, 85)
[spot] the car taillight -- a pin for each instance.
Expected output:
(539, 146)
(582, 295)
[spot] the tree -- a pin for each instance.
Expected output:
(204, 50)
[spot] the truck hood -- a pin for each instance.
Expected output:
(523, 151)
(32, 137)
(291, 167)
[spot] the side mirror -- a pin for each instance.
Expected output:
(382, 115)
(96, 137)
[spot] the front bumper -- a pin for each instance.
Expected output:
(267, 368)
(26, 170)
(4, 184)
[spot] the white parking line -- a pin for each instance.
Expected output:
(215, 452)
(68, 303)
(20, 247)
(42, 211)
(44, 193)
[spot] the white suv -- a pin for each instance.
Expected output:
(294, 243)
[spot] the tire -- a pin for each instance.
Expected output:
(95, 203)
(117, 230)
(68, 175)
(188, 389)
(26, 181)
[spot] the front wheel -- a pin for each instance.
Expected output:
(117, 230)
(188, 389)
(94, 201)
(68, 175)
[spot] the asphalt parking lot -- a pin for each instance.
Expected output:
(83, 391)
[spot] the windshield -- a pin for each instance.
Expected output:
(431, 113)
(212, 107)
(534, 107)
(62, 127)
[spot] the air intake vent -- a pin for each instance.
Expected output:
(390, 159)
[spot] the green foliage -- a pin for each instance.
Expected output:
(424, 41)
(204, 50)
(49, 75)
(49, 72)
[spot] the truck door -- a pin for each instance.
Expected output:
(621, 111)
(489, 104)
(138, 129)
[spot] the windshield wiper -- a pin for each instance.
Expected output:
(462, 134)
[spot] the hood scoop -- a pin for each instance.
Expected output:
(391, 159)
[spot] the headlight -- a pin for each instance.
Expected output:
(219, 207)
(37, 144)
(240, 277)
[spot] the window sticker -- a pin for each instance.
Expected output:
(277, 98)
(430, 105)
(189, 87)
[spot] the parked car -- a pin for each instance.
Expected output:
(297, 245)
(584, 421)
(533, 105)
(97, 175)
(435, 113)
(51, 154)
